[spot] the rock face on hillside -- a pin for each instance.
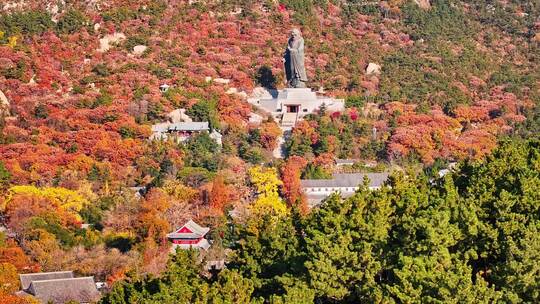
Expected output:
(179, 115)
(373, 69)
(4, 104)
(425, 4)
(105, 42)
(139, 49)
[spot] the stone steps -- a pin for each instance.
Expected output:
(289, 119)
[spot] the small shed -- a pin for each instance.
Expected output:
(164, 88)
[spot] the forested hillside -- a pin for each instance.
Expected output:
(471, 237)
(83, 188)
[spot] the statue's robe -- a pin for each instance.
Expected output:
(294, 61)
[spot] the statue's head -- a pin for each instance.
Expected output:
(296, 33)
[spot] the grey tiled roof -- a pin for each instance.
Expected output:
(181, 126)
(189, 126)
(346, 180)
(82, 290)
(345, 161)
(27, 278)
(316, 199)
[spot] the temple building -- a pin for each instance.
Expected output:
(181, 131)
(346, 184)
(191, 235)
(291, 104)
(59, 287)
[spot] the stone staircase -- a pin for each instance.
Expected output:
(289, 119)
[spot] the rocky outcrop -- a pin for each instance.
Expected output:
(235, 91)
(179, 115)
(139, 49)
(373, 69)
(425, 4)
(4, 104)
(222, 80)
(105, 42)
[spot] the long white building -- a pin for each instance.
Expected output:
(346, 184)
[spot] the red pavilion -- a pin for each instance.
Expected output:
(191, 235)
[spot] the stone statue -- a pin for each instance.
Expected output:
(294, 61)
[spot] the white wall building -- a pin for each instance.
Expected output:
(181, 131)
(292, 104)
(346, 184)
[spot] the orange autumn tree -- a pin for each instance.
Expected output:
(270, 132)
(219, 195)
(290, 174)
(6, 298)
(14, 255)
(151, 223)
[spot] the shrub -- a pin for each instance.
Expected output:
(25, 23)
(72, 21)
(41, 112)
(120, 15)
(104, 99)
(315, 172)
(133, 41)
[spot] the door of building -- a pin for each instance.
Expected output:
(293, 108)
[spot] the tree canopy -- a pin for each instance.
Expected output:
(470, 236)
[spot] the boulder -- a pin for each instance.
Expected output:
(255, 118)
(232, 91)
(32, 80)
(260, 92)
(139, 49)
(425, 4)
(4, 104)
(179, 115)
(242, 95)
(105, 42)
(222, 80)
(373, 69)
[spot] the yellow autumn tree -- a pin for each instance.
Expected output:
(12, 42)
(266, 183)
(179, 191)
(9, 279)
(69, 201)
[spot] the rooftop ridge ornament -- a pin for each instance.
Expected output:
(293, 59)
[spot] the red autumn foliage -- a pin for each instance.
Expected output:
(290, 174)
(14, 255)
(220, 194)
